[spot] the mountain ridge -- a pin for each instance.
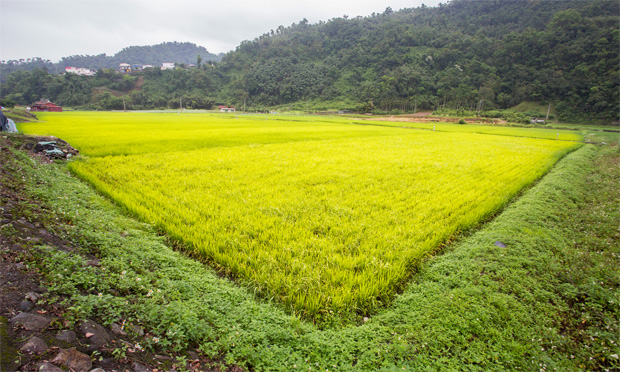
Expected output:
(174, 52)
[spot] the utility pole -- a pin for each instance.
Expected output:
(548, 110)
(415, 105)
(124, 109)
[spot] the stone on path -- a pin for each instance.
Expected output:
(67, 336)
(26, 305)
(32, 296)
(117, 329)
(48, 367)
(137, 367)
(31, 322)
(35, 345)
(96, 334)
(74, 360)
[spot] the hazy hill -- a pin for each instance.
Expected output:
(151, 54)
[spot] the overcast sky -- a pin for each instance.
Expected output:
(52, 29)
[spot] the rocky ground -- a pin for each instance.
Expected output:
(34, 336)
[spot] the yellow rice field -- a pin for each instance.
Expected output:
(322, 216)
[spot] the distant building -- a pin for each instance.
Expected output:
(137, 67)
(226, 109)
(124, 67)
(167, 66)
(79, 71)
(147, 66)
(45, 105)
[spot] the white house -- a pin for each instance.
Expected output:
(167, 66)
(79, 71)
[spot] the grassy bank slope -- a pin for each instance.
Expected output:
(548, 299)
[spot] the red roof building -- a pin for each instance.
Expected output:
(45, 105)
(226, 109)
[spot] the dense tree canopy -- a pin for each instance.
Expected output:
(459, 55)
(501, 52)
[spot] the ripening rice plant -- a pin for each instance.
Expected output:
(119, 133)
(324, 225)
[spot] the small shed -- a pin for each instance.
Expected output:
(45, 105)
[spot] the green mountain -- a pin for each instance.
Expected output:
(501, 52)
(467, 54)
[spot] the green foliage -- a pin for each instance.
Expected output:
(365, 107)
(107, 101)
(20, 115)
(509, 116)
(11, 66)
(432, 57)
(160, 89)
(537, 109)
(7, 102)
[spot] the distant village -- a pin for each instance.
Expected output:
(123, 67)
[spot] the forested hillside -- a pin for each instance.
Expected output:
(461, 55)
(501, 52)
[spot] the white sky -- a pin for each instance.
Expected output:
(52, 29)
